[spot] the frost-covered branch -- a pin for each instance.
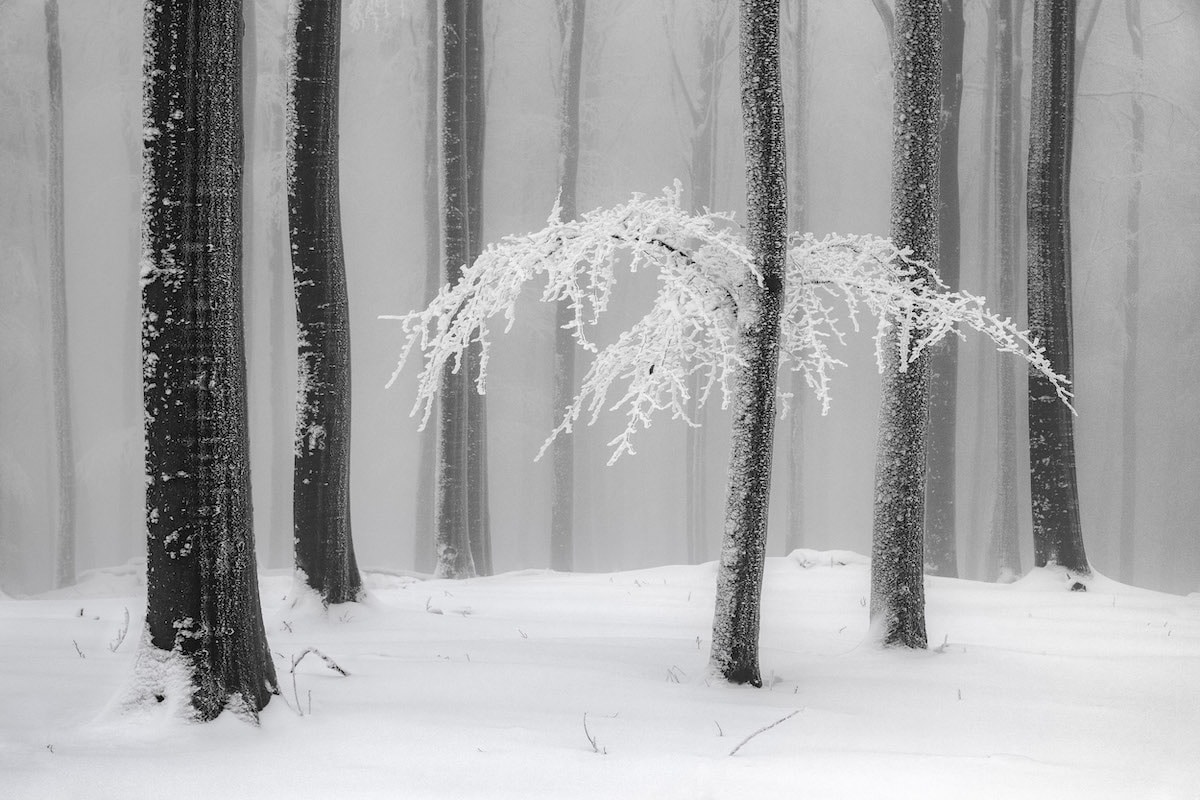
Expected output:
(702, 262)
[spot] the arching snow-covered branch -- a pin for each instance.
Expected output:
(701, 261)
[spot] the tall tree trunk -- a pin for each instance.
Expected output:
(1004, 559)
(1057, 536)
(321, 479)
(897, 552)
(454, 557)
(562, 452)
(941, 552)
(475, 112)
(423, 530)
(734, 654)
(64, 563)
(798, 206)
(203, 618)
(1133, 255)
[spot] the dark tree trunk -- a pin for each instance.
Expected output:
(734, 653)
(1133, 256)
(454, 557)
(562, 451)
(321, 478)
(202, 606)
(941, 551)
(897, 553)
(64, 563)
(1004, 560)
(475, 108)
(797, 205)
(1057, 537)
(423, 530)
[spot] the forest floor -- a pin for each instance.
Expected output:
(479, 689)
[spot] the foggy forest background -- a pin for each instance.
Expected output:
(635, 132)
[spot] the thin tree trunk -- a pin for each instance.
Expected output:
(203, 617)
(454, 556)
(941, 552)
(1004, 560)
(734, 654)
(321, 480)
(897, 552)
(798, 206)
(423, 530)
(562, 542)
(1133, 255)
(1057, 535)
(64, 569)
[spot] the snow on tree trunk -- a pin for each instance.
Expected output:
(734, 654)
(1057, 536)
(572, 14)
(64, 538)
(453, 543)
(1133, 225)
(423, 530)
(1004, 559)
(897, 552)
(321, 480)
(941, 552)
(478, 517)
(204, 648)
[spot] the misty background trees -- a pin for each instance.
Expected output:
(632, 138)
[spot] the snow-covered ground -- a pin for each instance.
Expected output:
(479, 689)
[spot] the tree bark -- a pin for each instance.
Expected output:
(1057, 536)
(941, 551)
(562, 451)
(203, 619)
(1133, 256)
(734, 654)
(897, 553)
(453, 543)
(65, 536)
(321, 479)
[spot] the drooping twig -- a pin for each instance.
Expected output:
(596, 748)
(329, 662)
(764, 729)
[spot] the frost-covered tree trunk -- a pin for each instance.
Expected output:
(1004, 558)
(897, 552)
(64, 538)
(562, 452)
(1057, 536)
(478, 516)
(1133, 248)
(941, 551)
(321, 478)
(423, 530)
(798, 208)
(453, 542)
(204, 648)
(734, 654)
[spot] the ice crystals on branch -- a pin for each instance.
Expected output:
(702, 262)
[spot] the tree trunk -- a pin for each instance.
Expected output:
(1004, 560)
(562, 451)
(941, 552)
(1057, 537)
(423, 530)
(797, 205)
(203, 619)
(321, 479)
(897, 553)
(1133, 226)
(454, 557)
(734, 654)
(64, 569)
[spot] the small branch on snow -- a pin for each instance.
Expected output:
(329, 662)
(596, 748)
(763, 729)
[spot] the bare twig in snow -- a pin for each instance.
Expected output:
(116, 643)
(763, 729)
